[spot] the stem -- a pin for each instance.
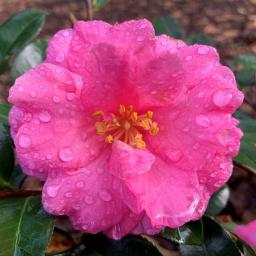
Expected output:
(6, 194)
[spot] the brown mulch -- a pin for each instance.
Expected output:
(231, 23)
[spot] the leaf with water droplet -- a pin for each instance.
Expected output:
(29, 57)
(25, 228)
(19, 30)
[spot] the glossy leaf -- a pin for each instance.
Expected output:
(245, 68)
(19, 30)
(191, 233)
(216, 242)
(169, 26)
(98, 4)
(25, 228)
(128, 246)
(4, 111)
(29, 57)
(6, 154)
(17, 177)
(200, 39)
(218, 201)
(247, 151)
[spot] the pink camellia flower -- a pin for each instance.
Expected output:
(130, 131)
(247, 233)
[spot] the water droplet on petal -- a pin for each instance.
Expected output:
(66, 154)
(20, 89)
(80, 184)
(70, 96)
(105, 196)
(56, 99)
(45, 116)
(85, 227)
(196, 146)
(203, 50)
(52, 191)
(222, 98)
(32, 94)
(89, 199)
(66, 33)
(83, 135)
(68, 194)
(60, 57)
(174, 155)
(140, 38)
(24, 141)
(203, 120)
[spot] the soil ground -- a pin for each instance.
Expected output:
(231, 23)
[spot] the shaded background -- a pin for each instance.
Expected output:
(231, 23)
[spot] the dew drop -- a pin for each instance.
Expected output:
(48, 156)
(66, 154)
(60, 58)
(99, 170)
(52, 191)
(175, 155)
(196, 146)
(222, 98)
(203, 50)
(20, 89)
(105, 196)
(33, 94)
(140, 38)
(68, 194)
(24, 141)
(66, 33)
(188, 58)
(83, 136)
(85, 227)
(56, 99)
(89, 199)
(203, 120)
(45, 116)
(80, 184)
(70, 96)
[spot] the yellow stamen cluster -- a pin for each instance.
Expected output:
(126, 126)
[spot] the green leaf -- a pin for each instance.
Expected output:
(98, 4)
(4, 111)
(216, 242)
(169, 26)
(6, 155)
(245, 68)
(247, 151)
(17, 177)
(128, 246)
(19, 30)
(29, 57)
(218, 201)
(190, 234)
(25, 228)
(200, 39)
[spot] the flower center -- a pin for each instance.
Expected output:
(126, 126)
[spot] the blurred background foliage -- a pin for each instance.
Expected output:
(230, 25)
